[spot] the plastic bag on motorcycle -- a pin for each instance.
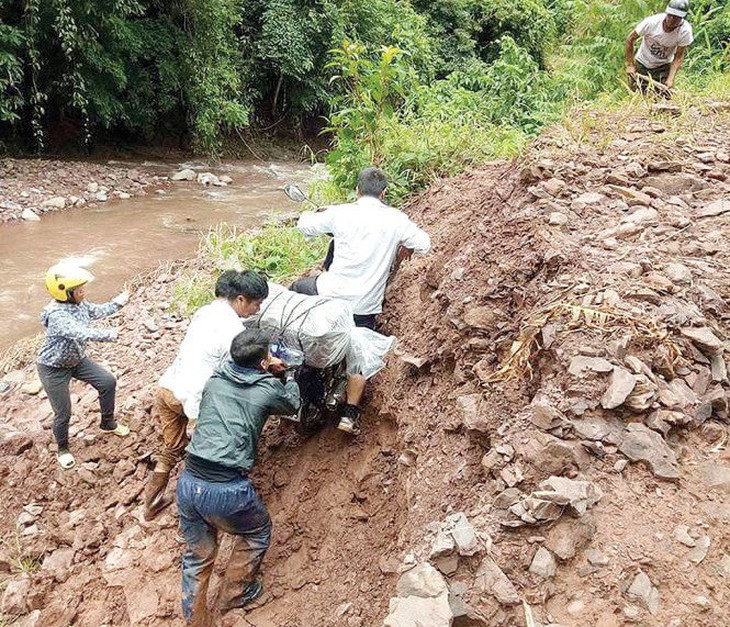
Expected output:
(323, 329)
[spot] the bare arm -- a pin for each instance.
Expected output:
(630, 63)
(676, 64)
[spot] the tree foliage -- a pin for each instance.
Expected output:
(72, 71)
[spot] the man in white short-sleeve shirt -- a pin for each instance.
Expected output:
(368, 237)
(664, 41)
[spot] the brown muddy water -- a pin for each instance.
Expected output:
(119, 239)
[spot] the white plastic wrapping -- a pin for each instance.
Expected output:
(323, 329)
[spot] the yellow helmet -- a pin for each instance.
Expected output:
(64, 277)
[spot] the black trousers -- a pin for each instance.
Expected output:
(308, 285)
(56, 383)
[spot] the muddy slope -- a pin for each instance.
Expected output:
(569, 323)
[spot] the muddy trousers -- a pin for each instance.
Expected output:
(207, 508)
(56, 383)
(173, 424)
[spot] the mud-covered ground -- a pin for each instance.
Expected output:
(570, 323)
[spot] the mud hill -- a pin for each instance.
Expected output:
(549, 440)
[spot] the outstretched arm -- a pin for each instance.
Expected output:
(315, 222)
(630, 62)
(66, 325)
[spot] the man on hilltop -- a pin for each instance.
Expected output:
(368, 236)
(665, 37)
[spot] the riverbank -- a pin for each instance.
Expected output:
(30, 188)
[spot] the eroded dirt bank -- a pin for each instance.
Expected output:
(570, 323)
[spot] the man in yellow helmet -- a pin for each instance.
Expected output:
(62, 356)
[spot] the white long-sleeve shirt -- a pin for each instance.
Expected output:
(367, 236)
(204, 348)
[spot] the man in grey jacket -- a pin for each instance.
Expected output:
(214, 492)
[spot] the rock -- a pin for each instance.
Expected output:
(704, 339)
(643, 591)
(554, 186)
(207, 178)
(29, 216)
(577, 495)
(621, 385)
(225, 180)
(717, 476)
(632, 196)
(481, 317)
(32, 387)
(490, 580)
(443, 545)
(586, 199)
(699, 552)
(596, 558)
(678, 273)
(463, 533)
(419, 612)
(58, 202)
(718, 368)
(672, 184)
(543, 564)
(681, 534)
(184, 175)
(544, 416)
(123, 195)
(643, 216)
(101, 196)
(557, 219)
(715, 208)
(472, 415)
(642, 444)
(422, 581)
(609, 429)
(642, 396)
(59, 563)
(569, 536)
(549, 454)
(118, 559)
(15, 598)
(580, 365)
(92, 187)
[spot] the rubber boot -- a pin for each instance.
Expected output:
(155, 500)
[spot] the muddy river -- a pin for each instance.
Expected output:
(121, 238)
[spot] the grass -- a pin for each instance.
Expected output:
(278, 251)
(19, 561)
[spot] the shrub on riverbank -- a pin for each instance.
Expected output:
(280, 252)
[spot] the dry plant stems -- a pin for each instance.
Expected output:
(21, 353)
(519, 362)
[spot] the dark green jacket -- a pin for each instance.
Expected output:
(233, 410)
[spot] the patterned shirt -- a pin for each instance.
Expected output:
(68, 328)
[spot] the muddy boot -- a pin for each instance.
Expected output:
(349, 419)
(155, 500)
(247, 598)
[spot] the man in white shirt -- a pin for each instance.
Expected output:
(368, 236)
(203, 349)
(665, 38)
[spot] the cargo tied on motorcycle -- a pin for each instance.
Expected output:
(318, 337)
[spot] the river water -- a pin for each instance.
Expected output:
(121, 238)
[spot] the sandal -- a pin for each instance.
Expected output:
(121, 430)
(65, 459)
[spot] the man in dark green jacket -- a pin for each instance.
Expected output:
(214, 492)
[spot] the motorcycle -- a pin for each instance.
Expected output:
(322, 391)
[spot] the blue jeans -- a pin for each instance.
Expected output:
(205, 508)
